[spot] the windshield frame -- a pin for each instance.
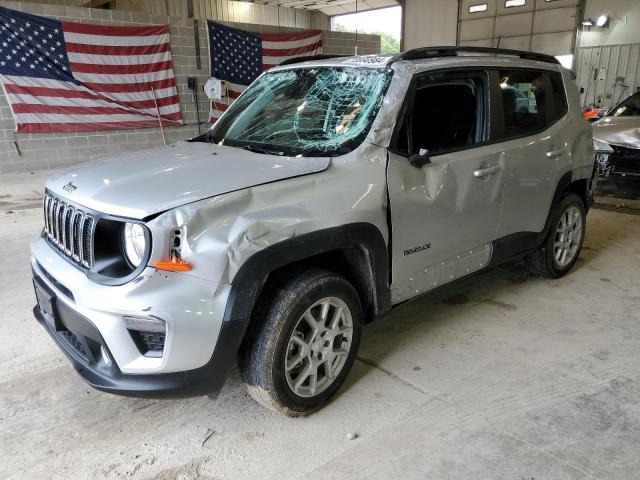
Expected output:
(213, 135)
(614, 110)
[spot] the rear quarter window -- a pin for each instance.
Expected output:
(558, 92)
(523, 95)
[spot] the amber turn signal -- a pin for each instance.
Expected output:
(173, 266)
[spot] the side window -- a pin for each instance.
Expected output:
(443, 112)
(560, 107)
(523, 101)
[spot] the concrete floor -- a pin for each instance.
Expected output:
(501, 377)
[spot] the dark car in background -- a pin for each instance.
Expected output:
(617, 140)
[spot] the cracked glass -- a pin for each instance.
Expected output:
(322, 111)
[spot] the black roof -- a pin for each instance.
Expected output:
(436, 52)
(431, 52)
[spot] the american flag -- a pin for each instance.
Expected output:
(66, 76)
(238, 57)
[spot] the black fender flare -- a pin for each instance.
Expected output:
(250, 278)
(254, 272)
(565, 181)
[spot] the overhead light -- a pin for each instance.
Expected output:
(602, 21)
(482, 7)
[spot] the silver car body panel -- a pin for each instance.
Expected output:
(622, 131)
(443, 218)
(534, 165)
(222, 232)
(191, 307)
(446, 218)
(231, 203)
(166, 177)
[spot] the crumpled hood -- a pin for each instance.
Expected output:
(622, 131)
(139, 184)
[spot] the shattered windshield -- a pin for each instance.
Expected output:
(322, 111)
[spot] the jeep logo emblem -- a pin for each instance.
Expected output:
(69, 187)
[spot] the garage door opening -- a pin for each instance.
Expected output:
(385, 22)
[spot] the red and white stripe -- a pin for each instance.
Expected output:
(117, 68)
(276, 48)
(230, 91)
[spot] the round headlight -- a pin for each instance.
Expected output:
(135, 243)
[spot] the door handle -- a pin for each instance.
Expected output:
(485, 172)
(556, 152)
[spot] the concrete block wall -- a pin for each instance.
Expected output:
(37, 151)
(344, 43)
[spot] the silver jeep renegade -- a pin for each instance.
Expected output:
(330, 192)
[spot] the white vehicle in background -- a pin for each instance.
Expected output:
(330, 192)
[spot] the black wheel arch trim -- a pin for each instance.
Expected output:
(520, 243)
(250, 279)
(252, 275)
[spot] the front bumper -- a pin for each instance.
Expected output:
(621, 162)
(86, 322)
(83, 345)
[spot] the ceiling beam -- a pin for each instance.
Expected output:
(348, 6)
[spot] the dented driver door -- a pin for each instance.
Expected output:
(444, 216)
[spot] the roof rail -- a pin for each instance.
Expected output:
(432, 52)
(309, 58)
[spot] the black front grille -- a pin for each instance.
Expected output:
(70, 230)
(149, 343)
(68, 216)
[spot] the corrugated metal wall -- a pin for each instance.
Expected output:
(537, 25)
(227, 11)
(608, 73)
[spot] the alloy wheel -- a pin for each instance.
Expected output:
(568, 236)
(318, 347)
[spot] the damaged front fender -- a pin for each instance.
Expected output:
(221, 233)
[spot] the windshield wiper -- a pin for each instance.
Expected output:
(266, 151)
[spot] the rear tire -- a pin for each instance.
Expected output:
(561, 249)
(303, 342)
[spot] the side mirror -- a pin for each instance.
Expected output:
(420, 159)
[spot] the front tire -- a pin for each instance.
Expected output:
(300, 352)
(561, 249)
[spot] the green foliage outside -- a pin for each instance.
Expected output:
(388, 44)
